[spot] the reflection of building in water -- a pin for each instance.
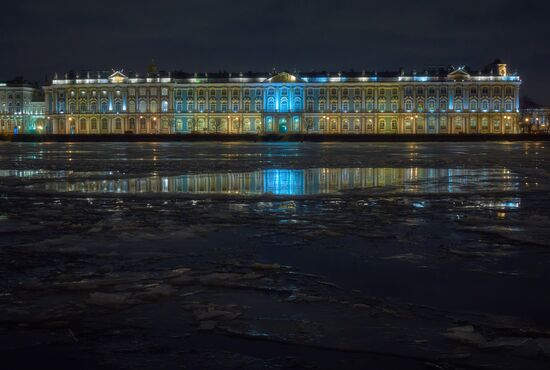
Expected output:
(298, 182)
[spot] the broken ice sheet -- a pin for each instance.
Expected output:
(398, 251)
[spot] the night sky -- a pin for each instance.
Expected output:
(39, 38)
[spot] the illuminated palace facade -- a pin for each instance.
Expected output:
(438, 101)
(22, 108)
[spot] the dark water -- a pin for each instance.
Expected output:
(458, 227)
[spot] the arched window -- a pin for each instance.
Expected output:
(132, 123)
(94, 124)
(270, 104)
(297, 105)
(458, 105)
(93, 107)
(118, 107)
(357, 123)
(118, 124)
(284, 105)
(345, 106)
(382, 124)
(142, 124)
(142, 106)
(82, 108)
(458, 123)
(165, 106)
(104, 124)
(153, 106)
(408, 105)
(508, 105)
(394, 124)
(83, 124)
(473, 105)
(71, 108)
(496, 105)
(104, 107)
(322, 124)
(132, 106)
(431, 122)
(485, 105)
(431, 105)
(345, 124)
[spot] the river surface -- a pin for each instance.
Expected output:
(275, 255)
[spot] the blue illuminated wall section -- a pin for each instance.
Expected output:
(284, 182)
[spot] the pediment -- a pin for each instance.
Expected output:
(117, 77)
(459, 74)
(283, 77)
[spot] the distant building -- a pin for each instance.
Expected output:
(535, 120)
(440, 100)
(22, 108)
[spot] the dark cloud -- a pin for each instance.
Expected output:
(41, 37)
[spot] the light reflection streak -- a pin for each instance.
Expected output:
(297, 182)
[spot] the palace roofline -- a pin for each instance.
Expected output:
(429, 74)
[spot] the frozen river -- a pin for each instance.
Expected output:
(275, 255)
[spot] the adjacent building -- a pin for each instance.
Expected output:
(535, 120)
(440, 100)
(22, 108)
